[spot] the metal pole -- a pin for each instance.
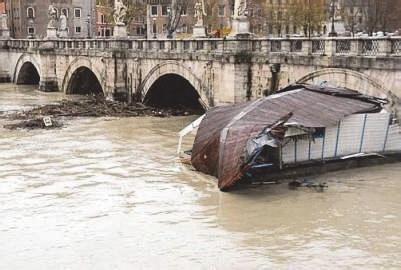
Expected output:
(154, 28)
(169, 10)
(309, 19)
(332, 11)
(89, 25)
(12, 18)
(148, 21)
(332, 19)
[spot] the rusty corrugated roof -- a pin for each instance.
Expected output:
(222, 136)
(205, 150)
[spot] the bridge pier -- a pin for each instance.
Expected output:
(48, 80)
(242, 82)
(48, 85)
(120, 83)
(133, 80)
(5, 76)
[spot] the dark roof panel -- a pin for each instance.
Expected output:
(222, 136)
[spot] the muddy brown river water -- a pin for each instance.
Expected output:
(109, 194)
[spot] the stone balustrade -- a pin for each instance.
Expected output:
(340, 46)
(223, 71)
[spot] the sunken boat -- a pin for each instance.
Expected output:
(298, 126)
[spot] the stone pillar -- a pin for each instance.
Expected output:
(265, 46)
(180, 46)
(285, 46)
(306, 47)
(385, 47)
(356, 46)
(120, 31)
(5, 33)
(5, 72)
(48, 80)
(242, 77)
(48, 77)
(240, 23)
(120, 75)
(242, 46)
(240, 27)
(51, 33)
(199, 31)
(242, 82)
(330, 47)
(135, 79)
(63, 33)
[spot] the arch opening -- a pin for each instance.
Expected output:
(84, 82)
(28, 75)
(172, 91)
(339, 77)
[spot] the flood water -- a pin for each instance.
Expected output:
(109, 194)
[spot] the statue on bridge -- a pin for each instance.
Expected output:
(63, 28)
(200, 12)
(3, 22)
(120, 11)
(4, 31)
(240, 8)
(52, 25)
(199, 30)
(52, 14)
(63, 22)
(240, 23)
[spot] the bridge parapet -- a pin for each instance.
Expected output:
(339, 46)
(222, 70)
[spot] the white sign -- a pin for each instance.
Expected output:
(48, 121)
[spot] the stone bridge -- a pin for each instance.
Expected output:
(200, 72)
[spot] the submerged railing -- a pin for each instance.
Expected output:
(369, 46)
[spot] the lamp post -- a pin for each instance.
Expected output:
(169, 15)
(11, 9)
(154, 28)
(88, 21)
(333, 32)
(353, 23)
(169, 12)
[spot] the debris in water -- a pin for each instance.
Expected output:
(320, 187)
(39, 117)
(31, 124)
(99, 107)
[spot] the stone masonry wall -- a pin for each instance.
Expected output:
(222, 71)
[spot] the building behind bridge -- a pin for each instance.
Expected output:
(2, 7)
(149, 18)
(276, 18)
(371, 16)
(30, 18)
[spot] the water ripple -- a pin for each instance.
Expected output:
(110, 194)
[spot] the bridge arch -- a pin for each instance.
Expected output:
(27, 70)
(350, 79)
(185, 89)
(82, 78)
